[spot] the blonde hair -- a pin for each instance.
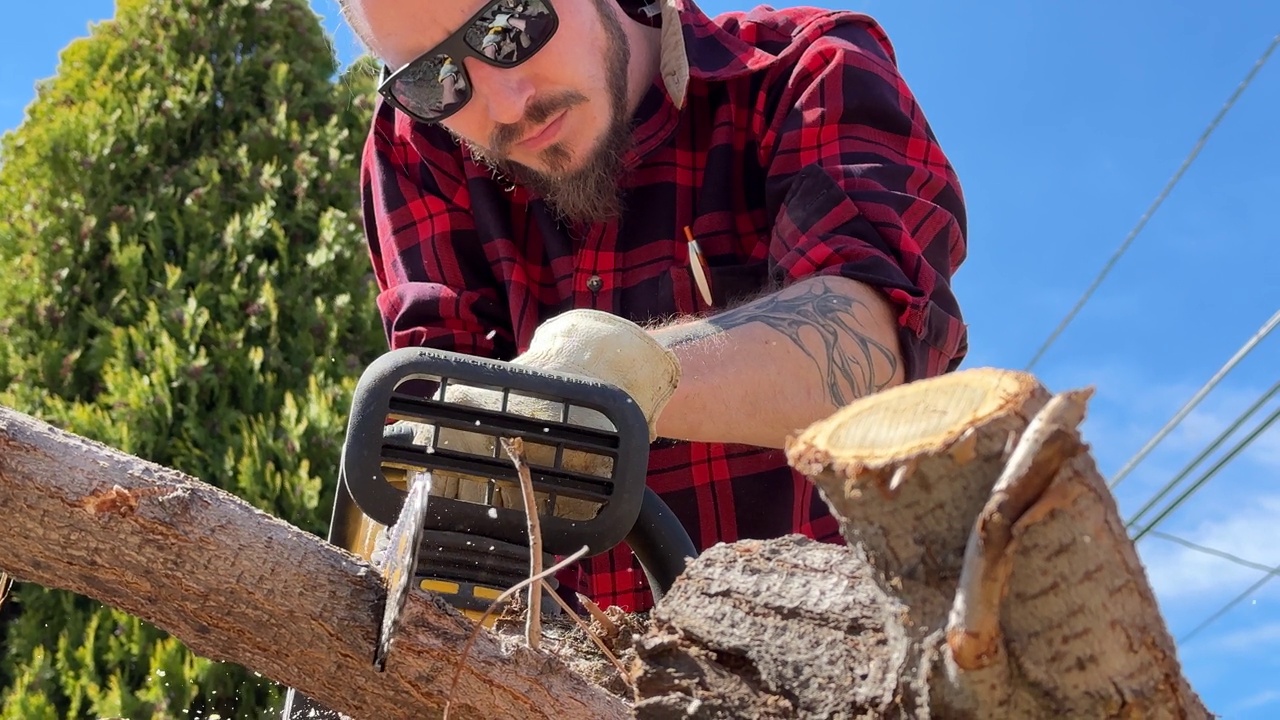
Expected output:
(356, 23)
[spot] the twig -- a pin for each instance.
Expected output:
(533, 620)
(534, 580)
(6, 582)
(582, 625)
(606, 624)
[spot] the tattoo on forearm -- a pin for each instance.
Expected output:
(851, 362)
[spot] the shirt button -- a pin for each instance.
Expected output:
(594, 283)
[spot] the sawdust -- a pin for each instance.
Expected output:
(565, 639)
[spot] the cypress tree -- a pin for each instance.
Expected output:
(185, 281)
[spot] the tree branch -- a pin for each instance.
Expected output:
(238, 585)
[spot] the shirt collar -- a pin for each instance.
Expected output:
(692, 47)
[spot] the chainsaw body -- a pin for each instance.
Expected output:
(469, 551)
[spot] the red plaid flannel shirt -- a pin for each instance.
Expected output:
(799, 151)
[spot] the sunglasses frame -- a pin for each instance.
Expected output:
(457, 47)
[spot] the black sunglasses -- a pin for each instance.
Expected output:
(435, 85)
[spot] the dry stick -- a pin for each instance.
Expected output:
(533, 622)
(6, 582)
(535, 580)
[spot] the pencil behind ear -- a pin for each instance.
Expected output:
(645, 12)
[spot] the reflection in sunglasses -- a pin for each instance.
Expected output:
(436, 84)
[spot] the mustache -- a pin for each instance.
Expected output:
(537, 113)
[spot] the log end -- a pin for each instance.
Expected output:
(930, 416)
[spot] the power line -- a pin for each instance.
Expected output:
(1190, 405)
(1208, 474)
(1273, 572)
(1142, 222)
(1211, 551)
(1168, 487)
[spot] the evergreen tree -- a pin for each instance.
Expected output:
(184, 280)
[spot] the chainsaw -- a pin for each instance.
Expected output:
(468, 551)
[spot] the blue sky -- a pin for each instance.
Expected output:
(1065, 121)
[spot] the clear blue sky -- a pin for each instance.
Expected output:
(1065, 121)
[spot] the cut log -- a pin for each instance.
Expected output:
(986, 574)
(238, 585)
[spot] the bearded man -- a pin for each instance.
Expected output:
(746, 222)
(753, 206)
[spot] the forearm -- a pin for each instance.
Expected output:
(766, 369)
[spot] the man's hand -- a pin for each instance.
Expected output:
(586, 343)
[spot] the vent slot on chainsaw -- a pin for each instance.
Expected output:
(545, 446)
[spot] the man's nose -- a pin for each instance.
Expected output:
(504, 92)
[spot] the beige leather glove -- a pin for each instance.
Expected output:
(587, 343)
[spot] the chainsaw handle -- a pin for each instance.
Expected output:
(380, 395)
(660, 542)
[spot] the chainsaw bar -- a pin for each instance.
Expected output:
(400, 563)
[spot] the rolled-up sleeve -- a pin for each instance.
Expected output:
(436, 287)
(859, 187)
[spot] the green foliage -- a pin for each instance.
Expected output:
(185, 281)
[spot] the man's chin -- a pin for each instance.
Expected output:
(586, 193)
(578, 189)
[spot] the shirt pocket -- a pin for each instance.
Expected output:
(730, 285)
(734, 249)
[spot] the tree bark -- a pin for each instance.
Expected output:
(238, 585)
(986, 574)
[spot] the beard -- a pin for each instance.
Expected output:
(590, 193)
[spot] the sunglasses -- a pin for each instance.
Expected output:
(435, 85)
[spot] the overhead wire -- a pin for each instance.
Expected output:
(1213, 446)
(1208, 474)
(1155, 205)
(1271, 573)
(1204, 391)
(1234, 601)
(1190, 405)
(1211, 551)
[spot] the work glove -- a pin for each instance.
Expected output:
(587, 343)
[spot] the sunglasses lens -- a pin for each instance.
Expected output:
(508, 31)
(432, 86)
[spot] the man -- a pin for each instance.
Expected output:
(754, 205)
